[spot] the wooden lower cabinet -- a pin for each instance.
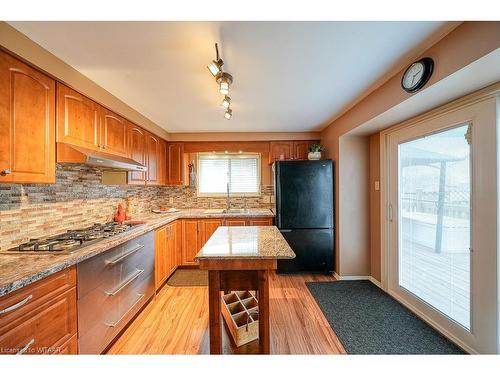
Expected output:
(190, 243)
(260, 221)
(235, 222)
(41, 318)
(196, 232)
(166, 245)
(207, 227)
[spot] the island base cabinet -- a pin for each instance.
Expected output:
(41, 318)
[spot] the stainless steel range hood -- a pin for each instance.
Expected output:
(109, 161)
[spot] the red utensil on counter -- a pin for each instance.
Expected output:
(120, 215)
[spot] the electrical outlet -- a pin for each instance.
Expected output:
(171, 200)
(377, 185)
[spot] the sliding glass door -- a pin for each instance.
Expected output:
(434, 221)
(442, 253)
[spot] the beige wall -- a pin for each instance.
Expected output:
(375, 225)
(354, 227)
(21, 46)
(462, 46)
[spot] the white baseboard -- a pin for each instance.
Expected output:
(376, 282)
(370, 278)
(354, 277)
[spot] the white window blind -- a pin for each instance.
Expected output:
(241, 171)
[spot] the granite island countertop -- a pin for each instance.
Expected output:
(18, 270)
(257, 242)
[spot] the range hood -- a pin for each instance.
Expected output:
(109, 161)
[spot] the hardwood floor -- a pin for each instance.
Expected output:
(176, 322)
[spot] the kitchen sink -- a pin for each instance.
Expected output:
(214, 211)
(236, 211)
(226, 211)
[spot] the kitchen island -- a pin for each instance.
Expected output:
(240, 258)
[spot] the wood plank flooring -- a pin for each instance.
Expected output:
(176, 322)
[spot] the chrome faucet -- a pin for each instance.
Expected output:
(228, 199)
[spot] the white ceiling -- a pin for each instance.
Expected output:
(288, 76)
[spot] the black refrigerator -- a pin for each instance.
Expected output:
(304, 213)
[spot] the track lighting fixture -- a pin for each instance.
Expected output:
(226, 102)
(223, 79)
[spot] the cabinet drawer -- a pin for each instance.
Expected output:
(44, 329)
(109, 269)
(70, 346)
(99, 326)
(21, 302)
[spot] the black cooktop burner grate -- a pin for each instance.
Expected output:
(73, 239)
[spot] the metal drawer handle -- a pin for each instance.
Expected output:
(16, 305)
(141, 296)
(5, 172)
(125, 283)
(118, 259)
(26, 347)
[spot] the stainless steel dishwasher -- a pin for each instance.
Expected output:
(112, 287)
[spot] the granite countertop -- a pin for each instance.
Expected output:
(18, 270)
(246, 243)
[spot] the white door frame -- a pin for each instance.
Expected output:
(480, 108)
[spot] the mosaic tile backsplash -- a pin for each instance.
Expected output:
(78, 199)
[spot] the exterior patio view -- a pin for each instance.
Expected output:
(434, 221)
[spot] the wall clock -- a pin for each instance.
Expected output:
(417, 74)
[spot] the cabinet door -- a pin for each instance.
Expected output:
(77, 119)
(280, 151)
(207, 228)
(43, 330)
(262, 221)
(235, 222)
(300, 149)
(175, 157)
(162, 163)
(189, 241)
(153, 158)
(113, 133)
(160, 256)
(27, 123)
(137, 151)
(178, 242)
(171, 250)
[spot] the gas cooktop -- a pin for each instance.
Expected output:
(72, 240)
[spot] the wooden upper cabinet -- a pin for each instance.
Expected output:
(175, 156)
(27, 123)
(301, 149)
(137, 151)
(78, 120)
(280, 151)
(113, 133)
(162, 163)
(153, 147)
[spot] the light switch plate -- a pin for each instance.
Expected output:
(377, 185)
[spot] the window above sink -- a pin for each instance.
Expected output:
(241, 170)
